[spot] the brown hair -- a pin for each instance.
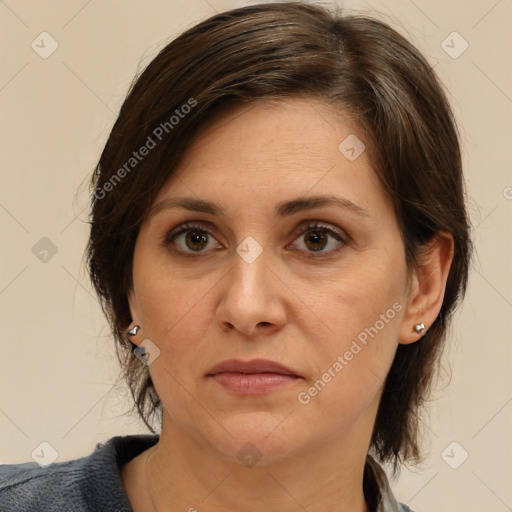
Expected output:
(360, 66)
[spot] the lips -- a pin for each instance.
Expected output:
(252, 366)
(255, 377)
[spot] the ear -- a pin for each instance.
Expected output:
(132, 302)
(427, 287)
(134, 312)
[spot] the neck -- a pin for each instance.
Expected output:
(184, 474)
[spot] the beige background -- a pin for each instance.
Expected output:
(58, 370)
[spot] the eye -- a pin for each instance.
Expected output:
(190, 239)
(319, 239)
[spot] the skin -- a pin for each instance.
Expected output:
(289, 305)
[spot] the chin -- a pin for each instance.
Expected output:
(257, 438)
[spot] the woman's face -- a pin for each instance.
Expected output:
(292, 255)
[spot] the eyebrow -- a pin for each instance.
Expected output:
(283, 209)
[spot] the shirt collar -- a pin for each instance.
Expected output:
(377, 483)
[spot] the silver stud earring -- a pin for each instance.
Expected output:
(419, 328)
(133, 331)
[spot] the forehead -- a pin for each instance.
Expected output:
(269, 149)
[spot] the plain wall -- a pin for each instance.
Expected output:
(58, 368)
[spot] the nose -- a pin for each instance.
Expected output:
(251, 299)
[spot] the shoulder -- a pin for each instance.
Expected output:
(29, 487)
(89, 483)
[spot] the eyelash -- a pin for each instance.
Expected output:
(300, 231)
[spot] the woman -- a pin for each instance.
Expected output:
(279, 239)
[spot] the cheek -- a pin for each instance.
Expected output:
(174, 317)
(175, 312)
(366, 294)
(166, 297)
(364, 311)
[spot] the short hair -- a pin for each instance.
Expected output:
(276, 51)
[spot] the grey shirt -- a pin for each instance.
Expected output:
(93, 483)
